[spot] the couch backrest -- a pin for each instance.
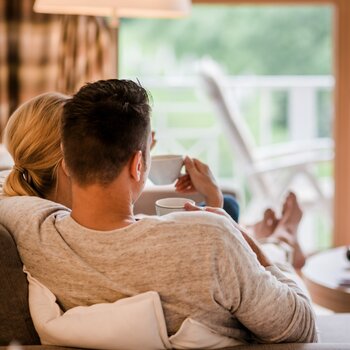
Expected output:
(15, 321)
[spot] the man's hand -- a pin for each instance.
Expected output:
(200, 179)
(254, 245)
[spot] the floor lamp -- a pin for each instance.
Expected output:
(116, 9)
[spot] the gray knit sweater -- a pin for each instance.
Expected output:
(198, 263)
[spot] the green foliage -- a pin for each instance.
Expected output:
(267, 40)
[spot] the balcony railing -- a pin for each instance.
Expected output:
(186, 123)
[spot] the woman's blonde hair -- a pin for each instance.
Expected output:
(33, 138)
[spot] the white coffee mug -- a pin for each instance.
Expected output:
(165, 169)
(169, 205)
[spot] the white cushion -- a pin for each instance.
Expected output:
(129, 323)
(194, 335)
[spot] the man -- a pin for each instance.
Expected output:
(199, 262)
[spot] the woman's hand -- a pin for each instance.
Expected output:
(191, 207)
(200, 179)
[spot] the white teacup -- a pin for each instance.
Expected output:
(165, 169)
(169, 205)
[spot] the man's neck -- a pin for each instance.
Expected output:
(102, 208)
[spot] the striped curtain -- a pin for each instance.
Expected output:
(87, 52)
(40, 53)
(28, 54)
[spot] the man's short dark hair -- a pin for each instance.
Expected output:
(103, 125)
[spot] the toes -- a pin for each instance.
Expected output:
(273, 215)
(292, 199)
(268, 213)
(289, 203)
(294, 205)
(292, 195)
(269, 217)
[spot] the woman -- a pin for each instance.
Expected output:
(32, 137)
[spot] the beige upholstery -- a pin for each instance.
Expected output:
(145, 204)
(151, 193)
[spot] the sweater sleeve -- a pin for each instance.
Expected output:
(14, 213)
(22, 215)
(274, 308)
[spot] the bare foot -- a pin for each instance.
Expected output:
(266, 226)
(291, 213)
(287, 228)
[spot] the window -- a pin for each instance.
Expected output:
(278, 62)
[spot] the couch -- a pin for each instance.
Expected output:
(16, 324)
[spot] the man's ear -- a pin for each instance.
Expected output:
(136, 166)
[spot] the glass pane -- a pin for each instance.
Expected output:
(277, 67)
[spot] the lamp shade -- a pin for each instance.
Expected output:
(116, 8)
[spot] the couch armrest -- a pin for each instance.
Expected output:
(151, 193)
(146, 203)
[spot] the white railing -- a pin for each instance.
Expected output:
(179, 134)
(178, 137)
